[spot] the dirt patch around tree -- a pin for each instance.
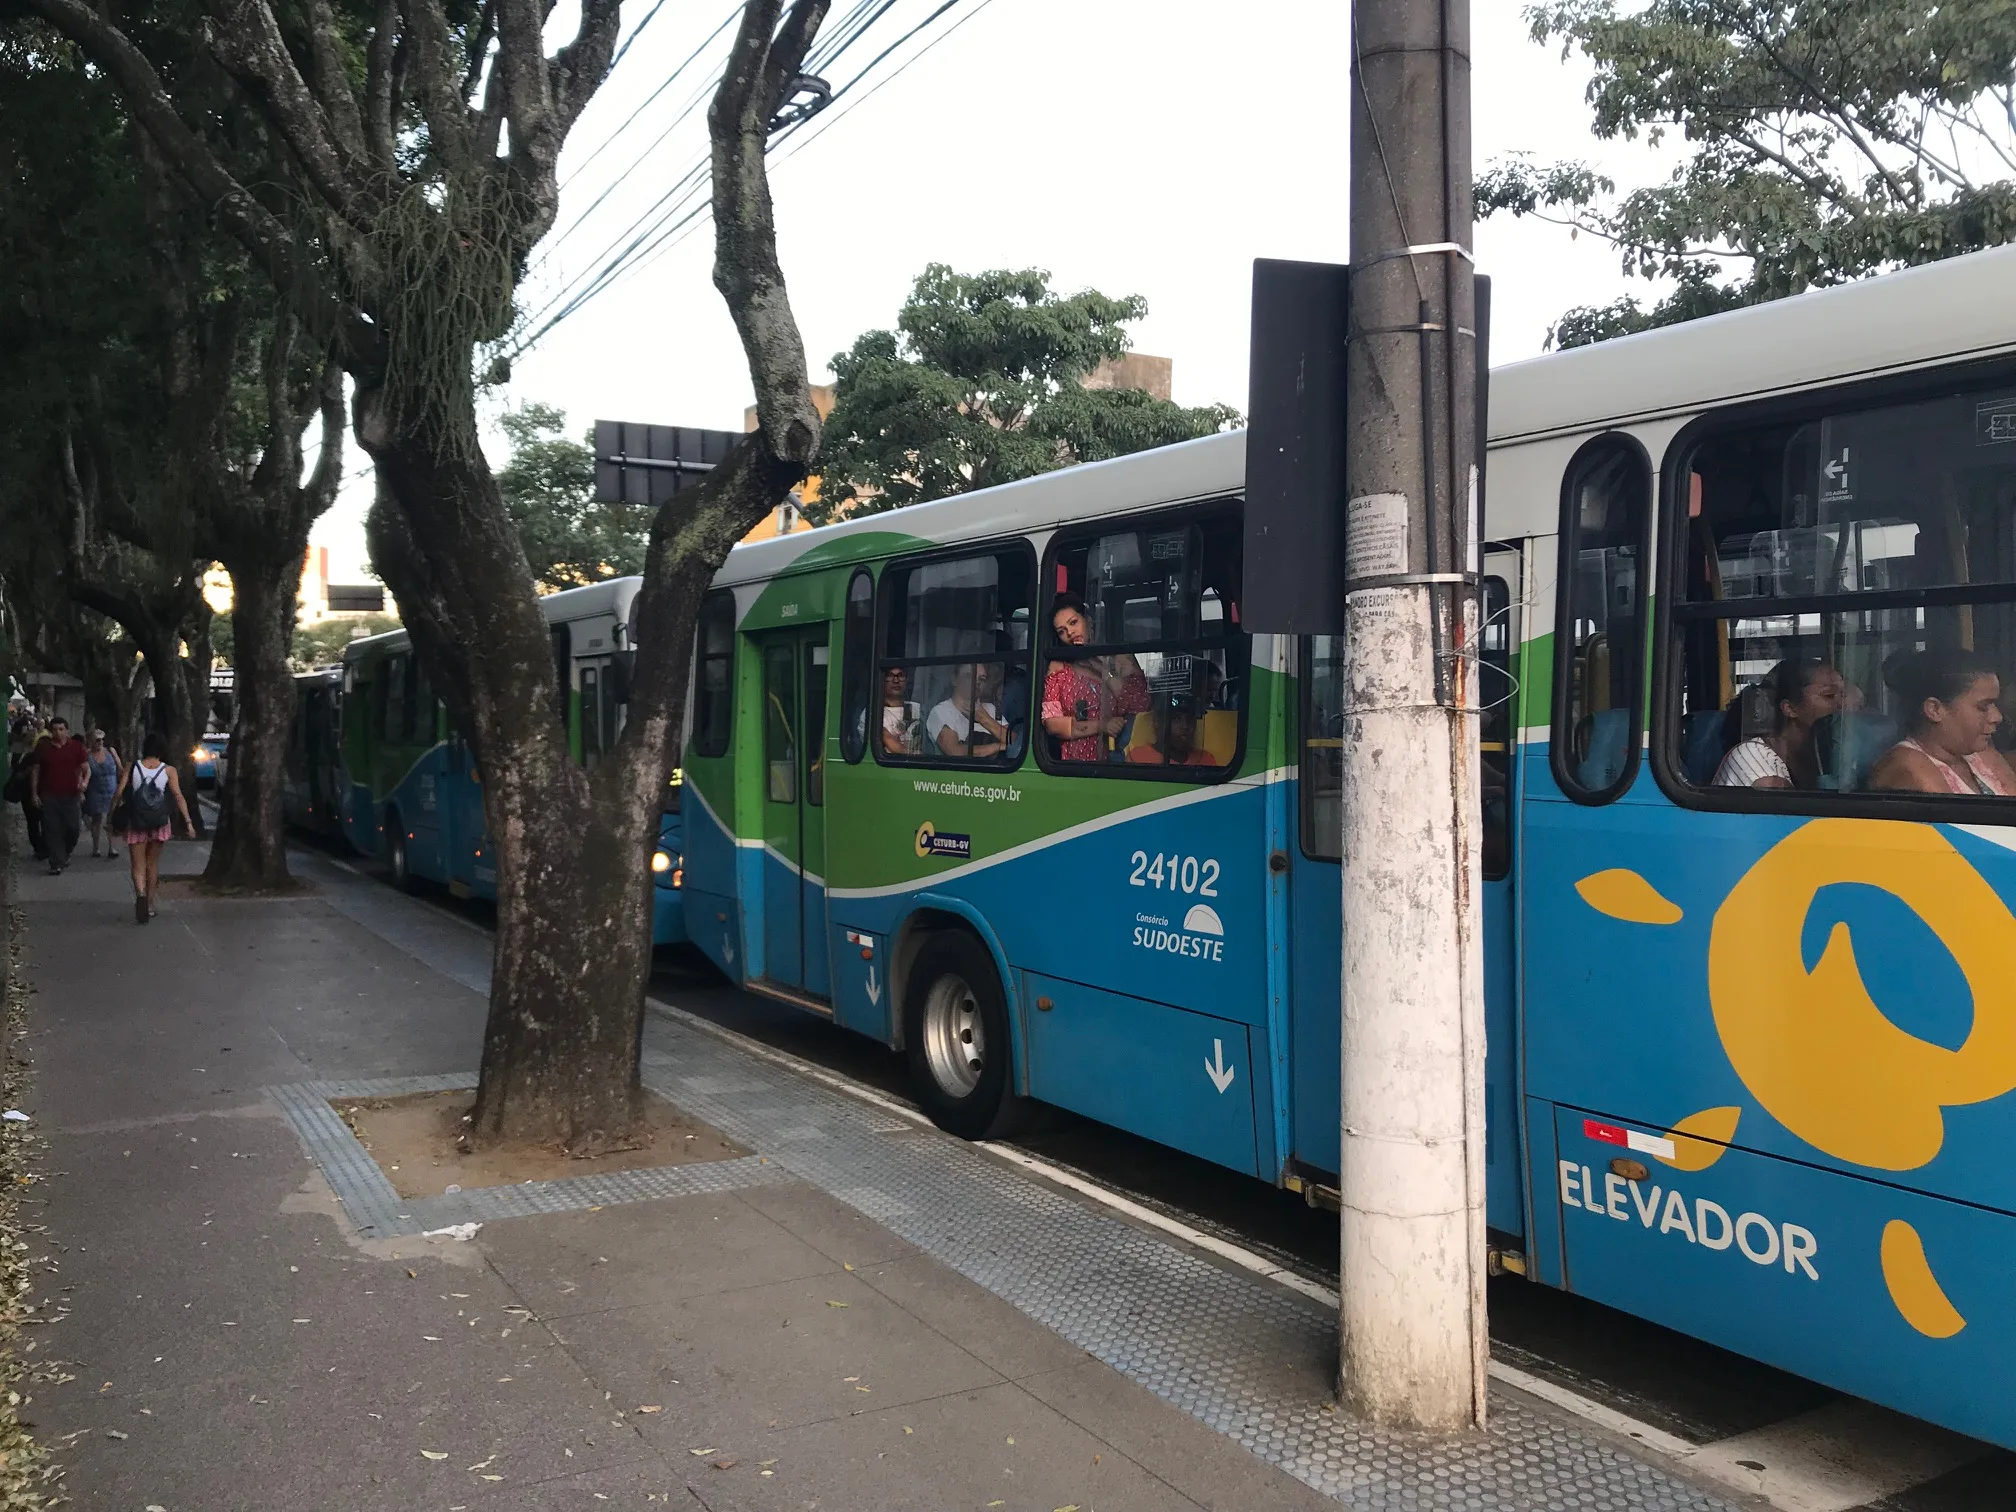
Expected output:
(416, 1142)
(192, 887)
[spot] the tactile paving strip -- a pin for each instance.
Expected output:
(1249, 1359)
(377, 1209)
(1242, 1355)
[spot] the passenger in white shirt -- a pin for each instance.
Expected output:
(963, 725)
(1804, 690)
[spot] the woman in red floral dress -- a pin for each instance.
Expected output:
(1086, 704)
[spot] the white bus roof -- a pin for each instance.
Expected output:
(1944, 312)
(612, 597)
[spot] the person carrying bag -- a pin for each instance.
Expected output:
(141, 810)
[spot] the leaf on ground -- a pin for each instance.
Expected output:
(484, 1464)
(702, 1453)
(725, 1464)
(651, 1409)
(908, 1429)
(831, 1303)
(434, 1454)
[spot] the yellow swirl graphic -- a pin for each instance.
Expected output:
(1701, 1139)
(1813, 1048)
(1913, 1287)
(1623, 894)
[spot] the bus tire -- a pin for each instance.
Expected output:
(395, 851)
(955, 1034)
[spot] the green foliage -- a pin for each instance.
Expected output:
(549, 489)
(979, 384)
(321, 644)
(1825, 140)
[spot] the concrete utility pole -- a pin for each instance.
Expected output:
(1412, 1288)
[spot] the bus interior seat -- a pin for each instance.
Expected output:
(1702, 746)
(1846, 745)
(1218, 733)
(1609, 730)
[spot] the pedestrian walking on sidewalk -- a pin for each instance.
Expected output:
(146, 791)
(104, 782)
(56, 783)
(18, 791)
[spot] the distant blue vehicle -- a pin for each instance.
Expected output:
(210, 757)
(411, 795)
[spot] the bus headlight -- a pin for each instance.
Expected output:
(660, 862)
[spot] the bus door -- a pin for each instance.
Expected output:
(794, 671)
(1499, 638)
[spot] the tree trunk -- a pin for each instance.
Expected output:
(560, 1050)
(248, 851)
(173, 716)
(195, 669)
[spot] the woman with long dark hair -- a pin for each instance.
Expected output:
(1951, 710)
(1803, 691)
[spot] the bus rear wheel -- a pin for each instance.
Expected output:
(402, 869)
(955, 1033)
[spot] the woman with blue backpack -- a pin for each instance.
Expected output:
(141, 809)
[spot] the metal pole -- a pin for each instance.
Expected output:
(1414, 1347)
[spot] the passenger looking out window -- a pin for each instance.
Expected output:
(899, 715)
(967, 722)
(1800, 692)
(1950, 704)
(1176, 738)
(1086, 704)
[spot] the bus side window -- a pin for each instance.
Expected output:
(563, 670)
(392, 705)
(419, 706)
(1606, 501)
(713, 680)
(954, 668)
(591, 716)
(1323, 747)
(857, 665)
(1842, 597)
(1495, 692)
(1145, 662)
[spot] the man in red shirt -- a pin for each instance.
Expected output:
(57, 775)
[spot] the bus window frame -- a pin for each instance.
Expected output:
(1305, 706)
(1196, 514)
(713, 598)
(895, 570)
(854, 741)
(1564, 641)
(1667, 660)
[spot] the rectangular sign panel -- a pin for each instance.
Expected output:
(648, 464)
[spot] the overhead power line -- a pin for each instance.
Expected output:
(675, 215)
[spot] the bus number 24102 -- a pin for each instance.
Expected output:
(1185, 874)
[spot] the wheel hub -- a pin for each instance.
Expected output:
(954, 1041)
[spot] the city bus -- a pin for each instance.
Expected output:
(1001, 781)
(413, 796)
(312, 781)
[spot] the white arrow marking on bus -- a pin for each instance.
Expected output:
(1221, 1074)
(874, 988)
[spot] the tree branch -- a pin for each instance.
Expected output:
(379, 56)
(247, 42)
(330, 81)
(256, 228)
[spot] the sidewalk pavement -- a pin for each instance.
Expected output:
(864, 1314)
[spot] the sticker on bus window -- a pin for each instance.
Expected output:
(931, 842)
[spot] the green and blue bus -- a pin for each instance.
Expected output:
(412, 795)
(1002, 781)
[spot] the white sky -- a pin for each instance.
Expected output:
(1144, 147)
